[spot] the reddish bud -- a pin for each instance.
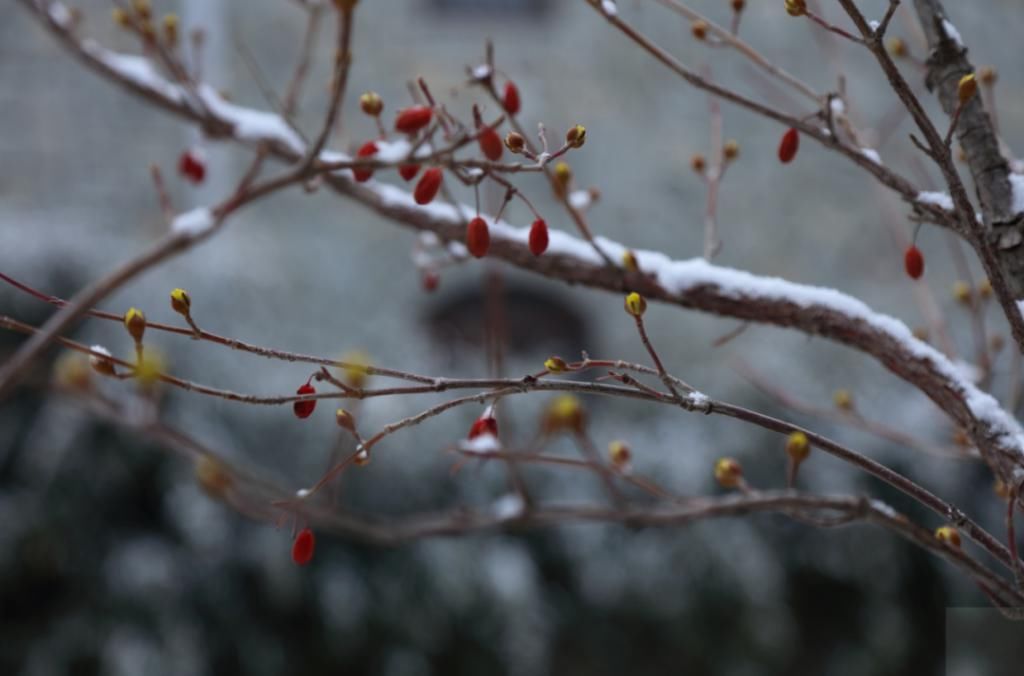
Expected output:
(478, 237)
(428, 185)
(430, 281)
(490, 144)
(511, 99)
(913, 261)
(411, 120)
(408, 171)
(363, 174)
(304, 409)
(789, 145)
(538, 237)
(484, 426)
(302, 548)
(192, 166)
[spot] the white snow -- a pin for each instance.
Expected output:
(969, 371)
(609, 8)
(951, 32)
(99, 350)
(1017, 185)
(884, 508)
(874, 25)
(837, 106)
(136, 69)
(485, 443)
(508, 506)
(193, 223)
(871, 154)
(251, 125)
(60, 14)
(939, 199)
(580, 199)
(482, 71)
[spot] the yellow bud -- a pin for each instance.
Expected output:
(135, 322)
(515, 142)
(985, 289)
(564, 412)
(71, 370)
(962, 292)
(356, 368)
(843, 400)
(120, 17)
(170, 24)
(576, 136)
(371, 103)
(699, 29)
(555, 365)
(798, 447)
(212, 476)
(731, 150)
(897, 47)
(698, 163)
(148, 30)
(728, 473)
(949, 535)
(796, 7)
(563, 172)
(149, 370)
(142, 8)
(966, 88)
(345, 420)
(619, 453)
(636, 305)
(181, 302)
(629, 261)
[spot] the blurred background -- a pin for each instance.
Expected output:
(113, 561)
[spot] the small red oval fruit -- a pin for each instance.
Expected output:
(913, 261)
(430, 281)
(408, 171)
(478, 237)
(428, 185)
(789, 145)
(490, 144)
(303, 547)
(363, 174)
(411, 120)
(538, 237)
(192, 167)
(483, 426)
(511, 99)
(304, 409)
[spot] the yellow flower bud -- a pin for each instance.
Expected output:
(356, 368)
(170, 25)
(181, 302)
(728, 473)
(897, 47)
(555, 365)
(966, 88)
(142, 8)
(576, 136)
(699, 29)
(843, 400)
(949, 535)
(212, 476)
(564, 413)
(796, 7)
(619, 453)
(798, 447)
(71, 370)
(563, 177)
(731, 150)
(636, 305)
(135, 322)
(371, 103)
(149, 369)
(962, 292)
(120, 17)
(985, 289)
(629, 261)
(345, 420)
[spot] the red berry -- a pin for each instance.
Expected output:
(411, 120)
(511, 100)
(408, 171)
(538, 237)
(428, 185)
(478, 237)
(483, 426)
(304, 409)
(490, 144)
(913, 261)
(363, 174)
(789, 145)
(302, 548)
(430, 280)
(192, 167)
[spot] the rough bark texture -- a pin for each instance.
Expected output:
(947, 63)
